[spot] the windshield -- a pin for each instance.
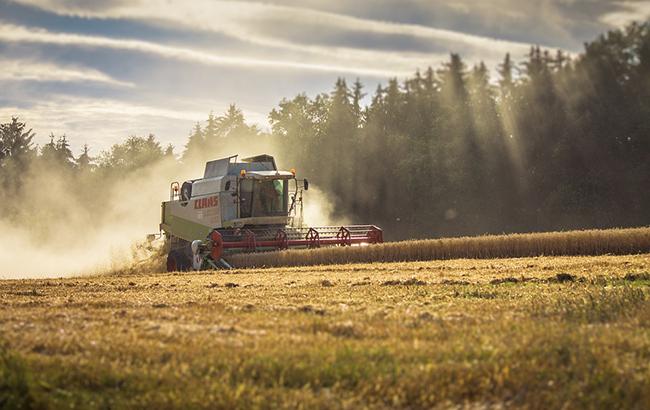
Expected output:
(263, 198)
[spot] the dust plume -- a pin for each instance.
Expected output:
(59, 221)
(62, 224)
(319, 209)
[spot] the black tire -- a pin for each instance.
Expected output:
(172, 264)
(178, 261)
(184, 261)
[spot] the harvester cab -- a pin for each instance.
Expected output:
(244, 206)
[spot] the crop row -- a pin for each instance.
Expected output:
(589, 242)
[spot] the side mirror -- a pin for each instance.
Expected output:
(305, 185)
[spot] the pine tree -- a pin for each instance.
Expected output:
(561, 60)
(211, 130)
(480, 78)
(452, 78)
(58, 153)
(357, 96)
(85, 162)
(232, 124)
(536, 65)
(64, 153)
(195, 146)
(48, 152)
(16, 143)
(505, 70)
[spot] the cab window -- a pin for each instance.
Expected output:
(263, 198)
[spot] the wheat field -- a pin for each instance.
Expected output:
(532, 332)
(588, 242)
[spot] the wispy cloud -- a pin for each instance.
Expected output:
(13, 33)
(32, 70)
(629, 11)
(266, 25)
(100, 122)
(247, 20)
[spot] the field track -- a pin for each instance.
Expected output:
(573, 243)
(531, 333)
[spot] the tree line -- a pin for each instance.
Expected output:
(552, 142)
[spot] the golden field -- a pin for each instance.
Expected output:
(537, 332)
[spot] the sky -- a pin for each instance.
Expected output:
(100, 71)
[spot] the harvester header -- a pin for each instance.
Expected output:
(244, 206)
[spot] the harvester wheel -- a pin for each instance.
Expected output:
(217, 245)
(177, 261)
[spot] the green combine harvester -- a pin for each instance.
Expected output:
(244, 206)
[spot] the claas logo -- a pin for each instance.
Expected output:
(208, 202)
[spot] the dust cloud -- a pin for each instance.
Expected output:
(319, 210)
(63, 226)
(60, 225)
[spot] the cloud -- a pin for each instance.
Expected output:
(293, 29)
(629, 11)
(247, 20)
(32, 70)
(13, 33)
(101, 121)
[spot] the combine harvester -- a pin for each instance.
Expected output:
(246, 206)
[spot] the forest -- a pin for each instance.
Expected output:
(543, 142)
